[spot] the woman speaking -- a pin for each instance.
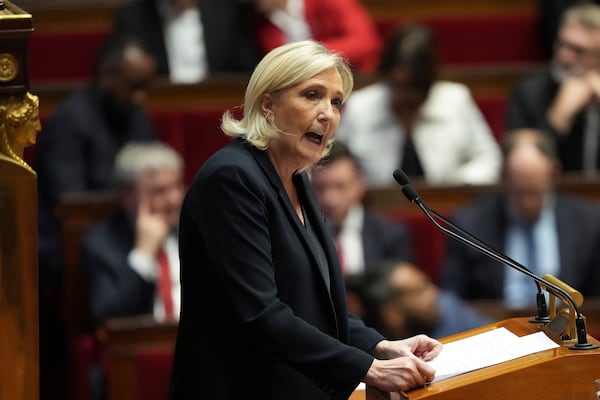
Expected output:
(263, 300)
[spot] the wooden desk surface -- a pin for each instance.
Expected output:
(558, 373)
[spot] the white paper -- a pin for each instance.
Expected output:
(485, 349)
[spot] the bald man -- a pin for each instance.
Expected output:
(546, 231)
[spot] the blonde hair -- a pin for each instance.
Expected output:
(283, 67)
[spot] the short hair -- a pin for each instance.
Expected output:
(339, 151)
(374, 290)
(541, 140)
(413, 47)
(112, 50)
(136, 158)
(587, 14)
(283, 67)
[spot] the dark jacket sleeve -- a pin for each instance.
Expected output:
(114, 288)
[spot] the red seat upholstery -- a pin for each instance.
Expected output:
(494, 111)
(428, 244)
(195, 135)
(64, 55)
(153, 373)
(478, 39)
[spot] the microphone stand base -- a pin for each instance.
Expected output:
(584, 346)
(539, 320)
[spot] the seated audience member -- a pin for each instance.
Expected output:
(192, 38)
(342, 25)
(546, 231)
(563, 100)
(399, 300)
(130, 260)
(362, 236)
(408, 119)
(78, 144)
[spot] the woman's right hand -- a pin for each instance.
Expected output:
(401, 373)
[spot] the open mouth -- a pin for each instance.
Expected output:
(314, 137)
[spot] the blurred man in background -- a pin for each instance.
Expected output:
(548, 232)
(362, 236)
(563, 100)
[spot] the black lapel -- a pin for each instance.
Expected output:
(267, 167)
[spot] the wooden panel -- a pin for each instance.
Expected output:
(19, 348)
(126, 338)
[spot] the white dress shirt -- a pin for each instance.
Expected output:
(186, 52)
(454, 142)
(349, 239)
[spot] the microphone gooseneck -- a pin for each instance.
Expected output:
(467, 238)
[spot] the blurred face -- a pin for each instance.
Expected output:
(338, 187)
(415, 301)
(529, 181)
(125, 89)
(306, 115)
(407, 99)
(577, 50)
(164, 191)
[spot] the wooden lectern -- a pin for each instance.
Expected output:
(559, 373)
(19, 125)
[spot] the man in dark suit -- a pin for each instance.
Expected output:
(192, 38)
(546, 231)
(78, 144)
(563, 101)
(125, 255)
(362, 236)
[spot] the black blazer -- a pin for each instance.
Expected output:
(261, 316)
(229, 44)
(114, 288)
(473, 275)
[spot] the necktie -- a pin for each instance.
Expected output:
(411, 165)
(340, 254)
(164, 284)
(531, 249)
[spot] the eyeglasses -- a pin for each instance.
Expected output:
(579, 51)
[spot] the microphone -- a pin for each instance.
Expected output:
(410, 193)
(467, 238)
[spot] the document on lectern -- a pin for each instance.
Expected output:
(486, 349)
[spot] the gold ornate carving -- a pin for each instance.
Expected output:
(19, 126)
(9, 67)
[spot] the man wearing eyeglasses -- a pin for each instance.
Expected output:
(565, 100)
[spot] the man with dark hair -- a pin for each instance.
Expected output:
(362, 236)
(78, 144)
(399, 300)
(548, 232)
